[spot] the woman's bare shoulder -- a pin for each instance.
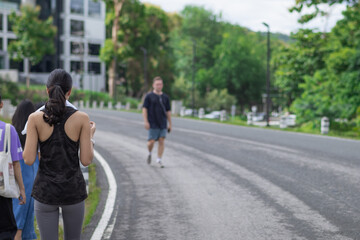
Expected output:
(36, 115)
(81, 115)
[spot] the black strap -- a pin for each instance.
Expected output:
(162, 105)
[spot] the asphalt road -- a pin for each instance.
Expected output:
(227, 182)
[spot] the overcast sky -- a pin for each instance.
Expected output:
(251, 13)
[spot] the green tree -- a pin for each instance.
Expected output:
(35, 38)
(333, 89)
(110, 50)
(239, 66)
(140, 28)
(300, 4)
(201, 29)
(219, 100)
(296, 61)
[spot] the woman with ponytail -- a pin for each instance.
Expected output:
(61, 131)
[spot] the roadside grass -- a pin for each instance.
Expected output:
(94, 196)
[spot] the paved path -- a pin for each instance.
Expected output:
(227, 182)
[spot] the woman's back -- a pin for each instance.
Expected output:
(59, 180)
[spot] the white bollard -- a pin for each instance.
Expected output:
(110, 105)
(249, 118)
(283, 122)
(127, 106)
(223, 115)
(87, 105)
(7, 109)
(325, 125)
(233, 111)
(94, 105)
(118, 106)
(81, 104)
(140, 106)
(182, 111)
(101, 104)
(76, 104)
(201, 113)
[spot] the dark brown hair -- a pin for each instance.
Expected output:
(20, 117)
(58, 84)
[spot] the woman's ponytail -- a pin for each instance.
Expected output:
(59, 83)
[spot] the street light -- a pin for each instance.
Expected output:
(268, 77)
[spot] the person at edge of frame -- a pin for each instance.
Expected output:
(8, 226)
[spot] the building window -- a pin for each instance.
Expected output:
(60, 6)
(94, 8)
(77, 48)
(94, 67)
(94, 49)
(17, 65)
(2, 62)
(61, 26)
(61, 47)
(1, 22)
(77, 28)
(77, 6)
(76, 66)
(9, 25)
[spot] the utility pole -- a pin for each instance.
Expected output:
(268, 78)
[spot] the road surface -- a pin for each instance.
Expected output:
(227, 182)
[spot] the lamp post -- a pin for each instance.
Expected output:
(268, 77)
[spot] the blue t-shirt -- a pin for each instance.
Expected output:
(16, 149)
(157, 106)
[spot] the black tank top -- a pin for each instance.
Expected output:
(59, 180)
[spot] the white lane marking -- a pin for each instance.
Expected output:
(110, 201)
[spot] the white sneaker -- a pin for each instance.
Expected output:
(160, 164)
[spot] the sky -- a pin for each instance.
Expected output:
(252, 13)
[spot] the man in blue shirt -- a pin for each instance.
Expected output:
(157, 118)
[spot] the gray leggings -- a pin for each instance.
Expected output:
(47, 217)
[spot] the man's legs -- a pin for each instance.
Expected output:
(161, 148)
(150, 145)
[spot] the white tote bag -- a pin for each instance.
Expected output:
(8, 185)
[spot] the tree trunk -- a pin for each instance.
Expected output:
(115, 29)
(27, 72)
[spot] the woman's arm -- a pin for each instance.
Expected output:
(86, 145)
(19, 180)
(31, 142)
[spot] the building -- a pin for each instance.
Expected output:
(81, 33)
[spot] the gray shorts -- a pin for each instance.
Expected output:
(156, 133)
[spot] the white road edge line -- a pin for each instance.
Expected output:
(110, 201)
